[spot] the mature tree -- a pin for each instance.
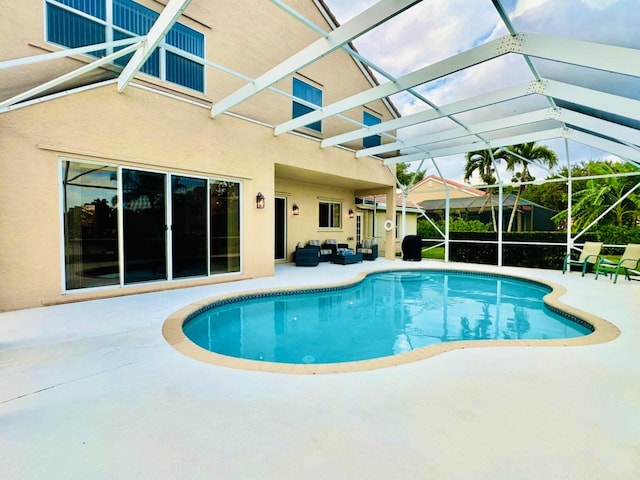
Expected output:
(601, 193)
(519, 157)
(553, 195)
(484, 163)
(407, 178)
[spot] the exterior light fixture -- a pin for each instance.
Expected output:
(350, 213)
(260, 200)
(295, 209)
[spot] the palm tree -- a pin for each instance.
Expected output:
(522, 156)
(482, 161)
(600, 193)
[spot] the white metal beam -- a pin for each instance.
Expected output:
(19, 62)
(499, 124)
(157, 32)
(618, 149)
(67, 76)
(604, 127)
(610, 129)
(600, 56)
(369, 19)
(475, 146)
(437, 70)
(604, 144)
(606, 102)
(454, 108)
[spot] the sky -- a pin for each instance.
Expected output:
(436, 29)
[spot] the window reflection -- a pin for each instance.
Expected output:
(151, 208)
(225, 226)
(90, 225)
(145, 227)
(189, 226)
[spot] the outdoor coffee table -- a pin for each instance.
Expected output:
(347, 259)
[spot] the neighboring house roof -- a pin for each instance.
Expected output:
(450, 183)
(474, 204)
(380, 204)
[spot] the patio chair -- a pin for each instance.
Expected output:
(307, 256)
(329, 247)
(629, 263)
(325, 251)
(589, 256)
(368, 249)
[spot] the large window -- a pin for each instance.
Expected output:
(77, 23)
(173, 226)
(329, 214)
(372, 140)
(90, 197)
(311, 96)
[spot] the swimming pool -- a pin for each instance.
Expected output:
(386, 314)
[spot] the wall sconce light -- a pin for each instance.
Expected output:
(295, 209)
(260, 200)
(351, 213)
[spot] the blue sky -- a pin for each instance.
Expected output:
(437, 29)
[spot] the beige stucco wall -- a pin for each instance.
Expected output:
(146, 130)
(244, 36)
(304, 227)
(381, 235)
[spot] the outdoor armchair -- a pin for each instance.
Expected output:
(629, 263)
(368, 249)
(307, 256)
(329, 247)
(590, 255)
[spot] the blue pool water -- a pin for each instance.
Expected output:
(386, 314)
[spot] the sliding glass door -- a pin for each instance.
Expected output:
(125, 226)
(188, 226)
(144, 226)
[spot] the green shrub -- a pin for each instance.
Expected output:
(426, 230)
(618, 234)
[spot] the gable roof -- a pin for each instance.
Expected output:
(444, 181)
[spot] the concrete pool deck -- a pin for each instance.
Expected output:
(92, 390)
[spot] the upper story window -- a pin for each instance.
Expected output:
(372, 140)
(329, 214)
(77, 23)
(311, 96)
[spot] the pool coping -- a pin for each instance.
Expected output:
(172, 330)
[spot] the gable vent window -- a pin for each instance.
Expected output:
(311, 96)
(77, 23)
